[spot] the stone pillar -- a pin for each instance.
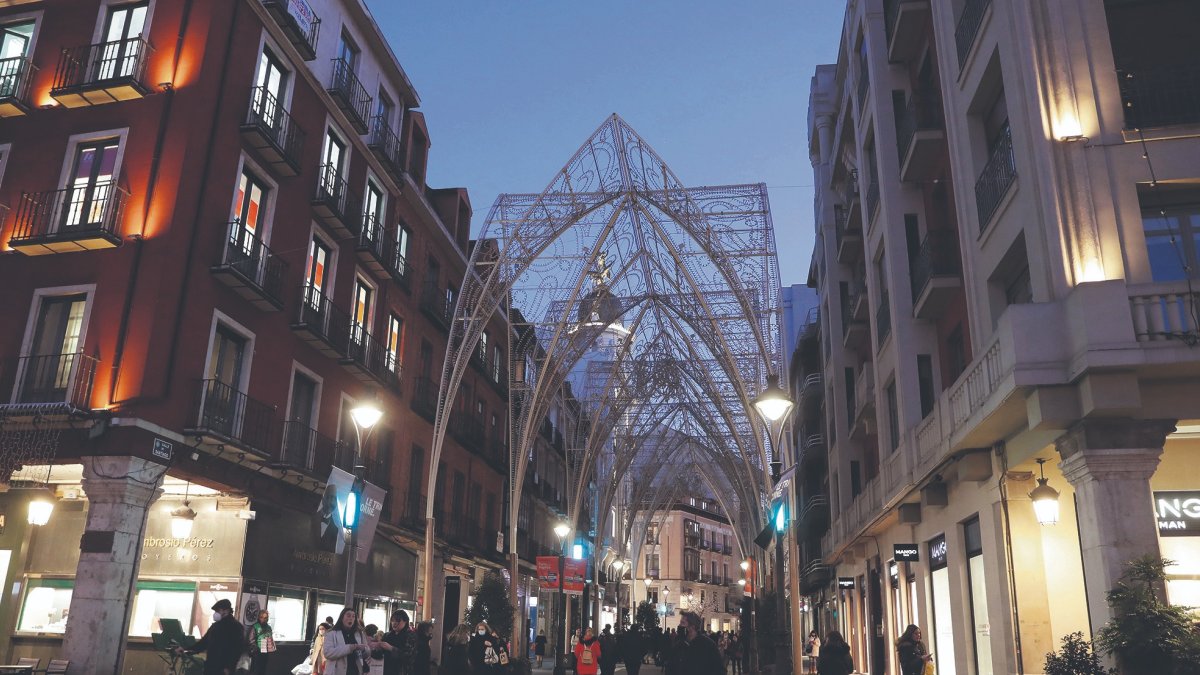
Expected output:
(120, 491)
(1109, 462)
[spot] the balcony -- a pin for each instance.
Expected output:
(15, 75)
(334, 204)
(969, 23)
(425, 398)
(854, 328)
(872, 201)
(815, 449)
(304, 450)
(864, 399)
(270, 130)
(385, 145)
(997, 177)
(372, 245)
(812, 393)
(299, 24)
(864, 83)
(815, 576)
(251, 269)
(849, 237)
(85, 218)
(883, 319)
(397, 264)
(1164, 97)
(849, 198)
(904, 21)
(350, 95)
(318, 322)
(225, 415)
(935, 274)
(1163, 312)
(436, 305)
(43, 379)
(368, 360)
(102, 73)
(920, 138)
(814, 518)
(412, 511)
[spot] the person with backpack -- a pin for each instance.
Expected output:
(587, 655)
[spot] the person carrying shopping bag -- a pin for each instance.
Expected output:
(346, 650)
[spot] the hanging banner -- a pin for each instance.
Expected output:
(547, 571)
(574, 573)
(333, 505)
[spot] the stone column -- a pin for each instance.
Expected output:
(120, 491)
(1109, 462)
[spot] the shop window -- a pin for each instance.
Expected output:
(376, 613)
(155, 600)
(289, 610)
(943, 617)
(207, 595)
(46, 606)
(978, 595)
(329, 607)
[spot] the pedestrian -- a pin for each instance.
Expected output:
(735, 653)
(457, 648)
(723, 645)
(483, 651)
(633, 649)
(587, 655)
(423, 655)
(812, 649)
(539, 647)
(262, 643)
(316, 658)
(224, 642)
(346, 649)
(696, 653)
(835, 656)
(398, 646)
(609, 655)
(911, 653)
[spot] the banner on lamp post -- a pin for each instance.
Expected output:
(547, 571)
(574, 574)
(332, 509)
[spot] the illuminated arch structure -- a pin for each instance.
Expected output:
(658, 303)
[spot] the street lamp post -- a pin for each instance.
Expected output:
(365, 416)
(560, 661)
(773, 405)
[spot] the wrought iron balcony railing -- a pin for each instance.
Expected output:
(968, 27)
(385, 143)
(997, 177)
(369, 355)
(397, 264)
(937, 257)
(273, 131)
(76, 218)
(101, 73)
(302, 448)
(1162, 97)
(436, 304)
(372, 240)
(232, 415)
(16, 73)
(56, 378)
(350, 95)
(319, 317)
(919, 115)
(424, 400)
(334, 202)
(254, 262)
(299, 23)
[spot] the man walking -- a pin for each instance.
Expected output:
(609, 655)
(698, 654)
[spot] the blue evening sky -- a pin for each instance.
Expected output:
(511, 88)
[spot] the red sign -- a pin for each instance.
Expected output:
(574, 573)
(547, 571)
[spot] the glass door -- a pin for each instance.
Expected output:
(122, 42)
(362, 311)
(14, 47)
(248, 220)
(54, 352)
(223, 398)
(272, 79)
(91, 186)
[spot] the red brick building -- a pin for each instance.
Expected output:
(219, 236)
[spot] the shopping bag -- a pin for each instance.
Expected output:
(929, 669)
(489, 657)
(303, 669)
(243, 663)
(503, 658)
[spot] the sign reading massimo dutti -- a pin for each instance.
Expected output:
(1178, 513)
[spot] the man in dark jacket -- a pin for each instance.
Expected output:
(398, 646)
(697, 653)
(608, 651)
(224, 641)
(633, 649)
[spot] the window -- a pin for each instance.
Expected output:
(394, 337)
(248, 217)
(55, 350)
(496, 364)
(333, 157)
(943, 619)
(402, 236)
(425, 362)
(976, 586)
(384, 107)
(155, 600)
(15, 39)
(303, 406)
(271, 85)
(318, 265)
(348, 51)
(226, 358)
(363, 295)
(652, 533)
(1171, 222)
(483, 346)
(893, 417)
(433, 273)
(47, 603)
(373, 209)
(652, 568)
(956, 353)
(89, 191)
(122, 41)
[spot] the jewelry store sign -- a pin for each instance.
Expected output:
(1178, 513)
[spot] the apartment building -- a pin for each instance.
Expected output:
(1007, 200)
(689, 562)
(217, 240)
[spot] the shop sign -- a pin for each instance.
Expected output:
(1178, 513)
(937, 552)
(906, 552)
(547, 571)
(846, 582)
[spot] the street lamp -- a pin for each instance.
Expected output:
(619, 567)
(1045, 499)
(561, 530)
(774, 404)
(365, 416)
(183, 517)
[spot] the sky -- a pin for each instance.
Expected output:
(719, 88)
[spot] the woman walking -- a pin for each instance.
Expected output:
(835, 656)
(261, 642)
(484, 651)
(346, 650)
(813, 649)
(587, 655)
(457, 660)
(423, 657)
(911, 652)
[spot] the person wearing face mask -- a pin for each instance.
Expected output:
(484, 651)
(223, 643)
(346, 649)
(262, 643)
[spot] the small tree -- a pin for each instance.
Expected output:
(492, 605)
(1146, 635)
(1076, 657)
(647, 616)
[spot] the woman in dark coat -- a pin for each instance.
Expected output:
(911, 652)
(422, 657)
(456, 650)
(835, 656)
(480, 642)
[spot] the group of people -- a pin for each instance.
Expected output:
(341, 647)
(483, 652)
(832, 657)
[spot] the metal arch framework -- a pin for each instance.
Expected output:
(655, 305)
